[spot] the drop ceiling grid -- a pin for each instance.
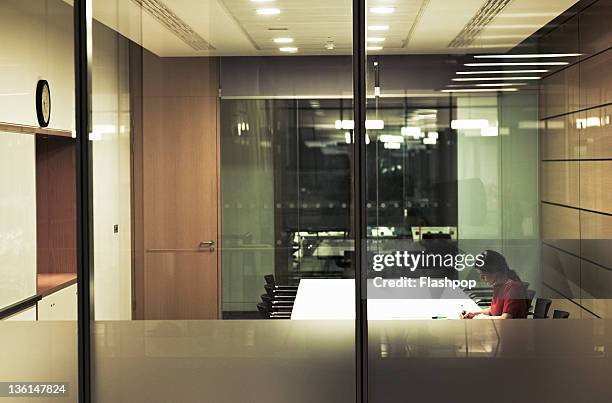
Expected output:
(312, 23)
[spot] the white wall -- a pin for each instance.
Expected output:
(37, 43)
(111, 175)
(17, 218)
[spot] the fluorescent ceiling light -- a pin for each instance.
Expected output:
(482, 90)
(382, 10)
(487, 85)
(458, 124)
(344, 124)
(288, 49)
(390, 138)
(430, 141)
(349, 124)
(527, 56)
(348, 138)
(498, 84)
(494, 78)
(378, 28)
(502, 71)
(268, 11)
(432, 135)
(376, 40)
(374, 124)
(374, 48)
(517, 64)
(392, 146)
(283, 40)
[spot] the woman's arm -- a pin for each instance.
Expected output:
(471, 315)
(502, 316)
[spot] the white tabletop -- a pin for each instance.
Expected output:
(334, 299)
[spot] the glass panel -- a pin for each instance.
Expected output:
(221, 192)
(38, 305)
(479, 141)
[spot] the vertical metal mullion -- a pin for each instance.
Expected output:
(82, 64)
(359, 199)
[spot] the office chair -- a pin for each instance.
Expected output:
(276, 293)
(263, 310)
(269, 278)
(277, 302)
(560, 314)
(540, 311)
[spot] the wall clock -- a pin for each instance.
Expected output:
(43, 103)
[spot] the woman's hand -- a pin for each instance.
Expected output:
(469, 315)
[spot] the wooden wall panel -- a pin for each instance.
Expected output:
(561, 271)
(596, 289)
(55, 205)
(595, 185)
(595, 36)
(561, 227)
(576, 155)
(596, 237)
(596, 80)
(596, 138)
(559, 182)
(560, 93)
(559, 139)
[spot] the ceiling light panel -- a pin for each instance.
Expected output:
(515, 64)
(283, 40)
(528, 56)
(494, 78)
(268, 11)
(503, 72)
(382, 10)
(378, 28)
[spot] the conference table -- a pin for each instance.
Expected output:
(334, 299)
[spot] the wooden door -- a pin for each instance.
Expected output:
(180, 204)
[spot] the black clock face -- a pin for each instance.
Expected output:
(43, 103)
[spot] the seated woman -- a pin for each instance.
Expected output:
(509, 294)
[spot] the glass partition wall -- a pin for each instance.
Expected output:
(289, 202)
(220, 185)
(488, 160)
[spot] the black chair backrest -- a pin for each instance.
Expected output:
(269, 290)
(270, 279)
(560, 314)
(542, 306)
(263, 310)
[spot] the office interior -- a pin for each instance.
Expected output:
(222, 174)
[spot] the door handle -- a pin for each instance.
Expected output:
(207, 244)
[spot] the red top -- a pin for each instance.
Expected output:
(509, 297)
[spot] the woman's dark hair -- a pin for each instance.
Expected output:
(495, 262)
